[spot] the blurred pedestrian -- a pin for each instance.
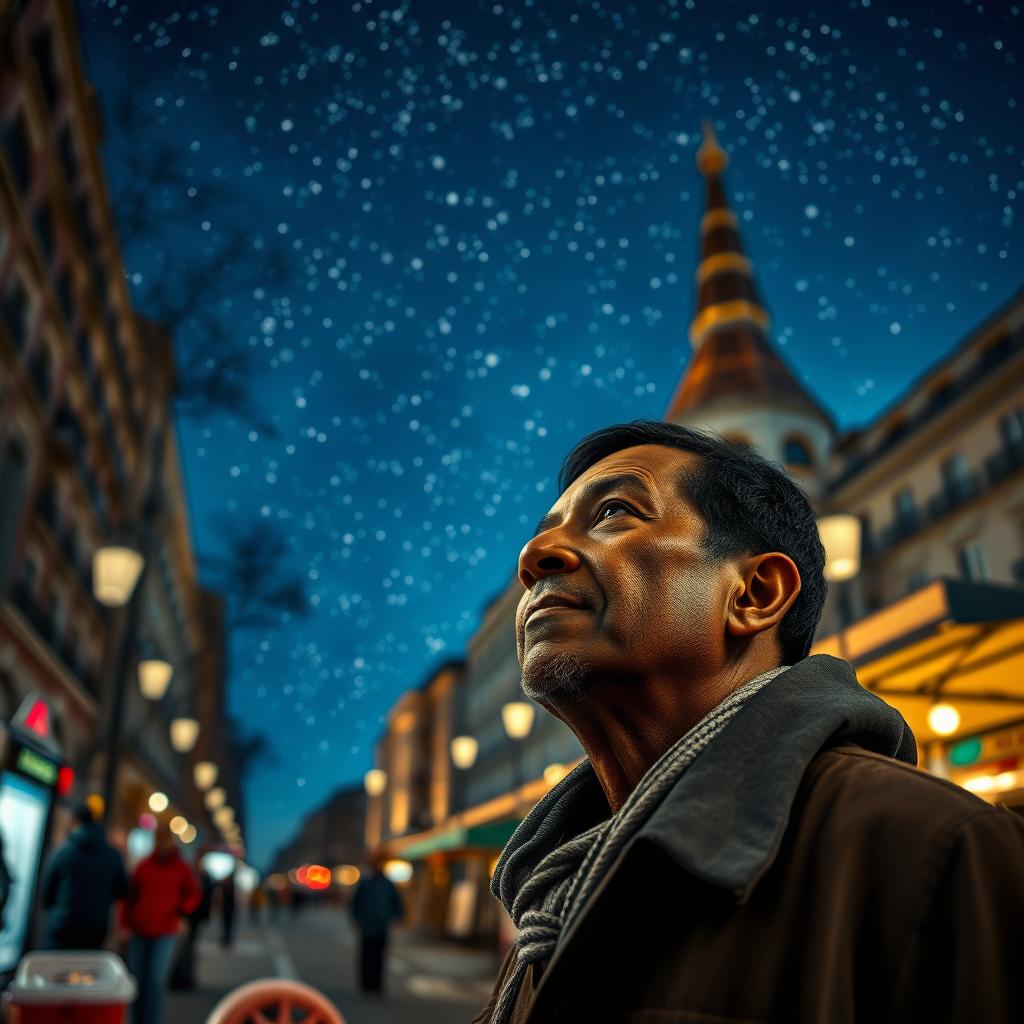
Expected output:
(227, 911)
(257, 901)
(82, 882)
(183, 975)
(375, 904)
(163, 890)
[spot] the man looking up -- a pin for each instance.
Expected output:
(748, 837)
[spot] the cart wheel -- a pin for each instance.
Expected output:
(275, 1001)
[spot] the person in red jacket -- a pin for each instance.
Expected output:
(163, 890)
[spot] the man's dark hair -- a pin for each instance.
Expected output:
(748, 504)
(82, 813)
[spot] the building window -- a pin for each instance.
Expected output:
(795, 452)
(44, 231)
(903, 504)
(15, 311)
(738, 441)
(1012, 428)
(16, 147)
(42, 50)
(973, 565)
(917, 581)
(66, 145)
(954, 469)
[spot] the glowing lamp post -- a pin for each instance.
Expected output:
(464, 750)
(517, 717)
(184, 733)
(840, 537)
(205, 774)
(154, 678)
(115, 571)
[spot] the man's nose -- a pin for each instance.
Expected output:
(545, 556)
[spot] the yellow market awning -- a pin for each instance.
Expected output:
(952, 639)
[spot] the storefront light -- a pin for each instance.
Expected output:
(215, 798)
(398, 870)
(189, 835)
(554, 773)
(154, 677)
(158, 802)
(346, 874)
(943, 719)
(178, 825)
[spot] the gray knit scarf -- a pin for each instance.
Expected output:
(543, 883)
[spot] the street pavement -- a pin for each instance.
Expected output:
(425, 983)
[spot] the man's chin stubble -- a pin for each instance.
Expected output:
(561, 677)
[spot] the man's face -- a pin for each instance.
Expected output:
(620, 563)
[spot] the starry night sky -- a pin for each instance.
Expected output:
(490, 214)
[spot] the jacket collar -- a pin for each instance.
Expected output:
(725, 818)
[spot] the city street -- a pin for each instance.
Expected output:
(426, 983)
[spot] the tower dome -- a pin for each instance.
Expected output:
(736, 383)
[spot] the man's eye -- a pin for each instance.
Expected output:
(608, 509)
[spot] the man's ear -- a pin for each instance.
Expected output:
(768, 586)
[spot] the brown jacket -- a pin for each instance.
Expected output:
(863, 890)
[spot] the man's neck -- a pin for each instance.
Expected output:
(626, 727)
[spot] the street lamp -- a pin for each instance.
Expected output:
(178, 825)
(517, 717)
(205, 774)
(154, 677)
(115, 571)
(215, 798)
(840, 537)
(375, 781)
(184, 733)
(158, 802)
(464, 750)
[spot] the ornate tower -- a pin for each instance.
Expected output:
(736, 383)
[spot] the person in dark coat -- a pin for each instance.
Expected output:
(748, 838)
(228, 906)
(83, 880)
(375, 906)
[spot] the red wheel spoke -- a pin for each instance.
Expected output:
(258, 1018)
(285, 1012)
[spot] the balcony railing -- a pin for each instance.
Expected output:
(954, 494)
(1010, 459)
(988, 362)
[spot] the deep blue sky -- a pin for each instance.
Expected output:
(491, 212)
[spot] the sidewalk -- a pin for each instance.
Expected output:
(426, 982)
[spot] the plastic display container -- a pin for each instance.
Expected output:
(70, 988)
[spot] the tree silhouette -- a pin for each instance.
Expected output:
(259, 592)
(193, 295)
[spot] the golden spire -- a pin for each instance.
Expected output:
(711, 158)
(732, 354)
